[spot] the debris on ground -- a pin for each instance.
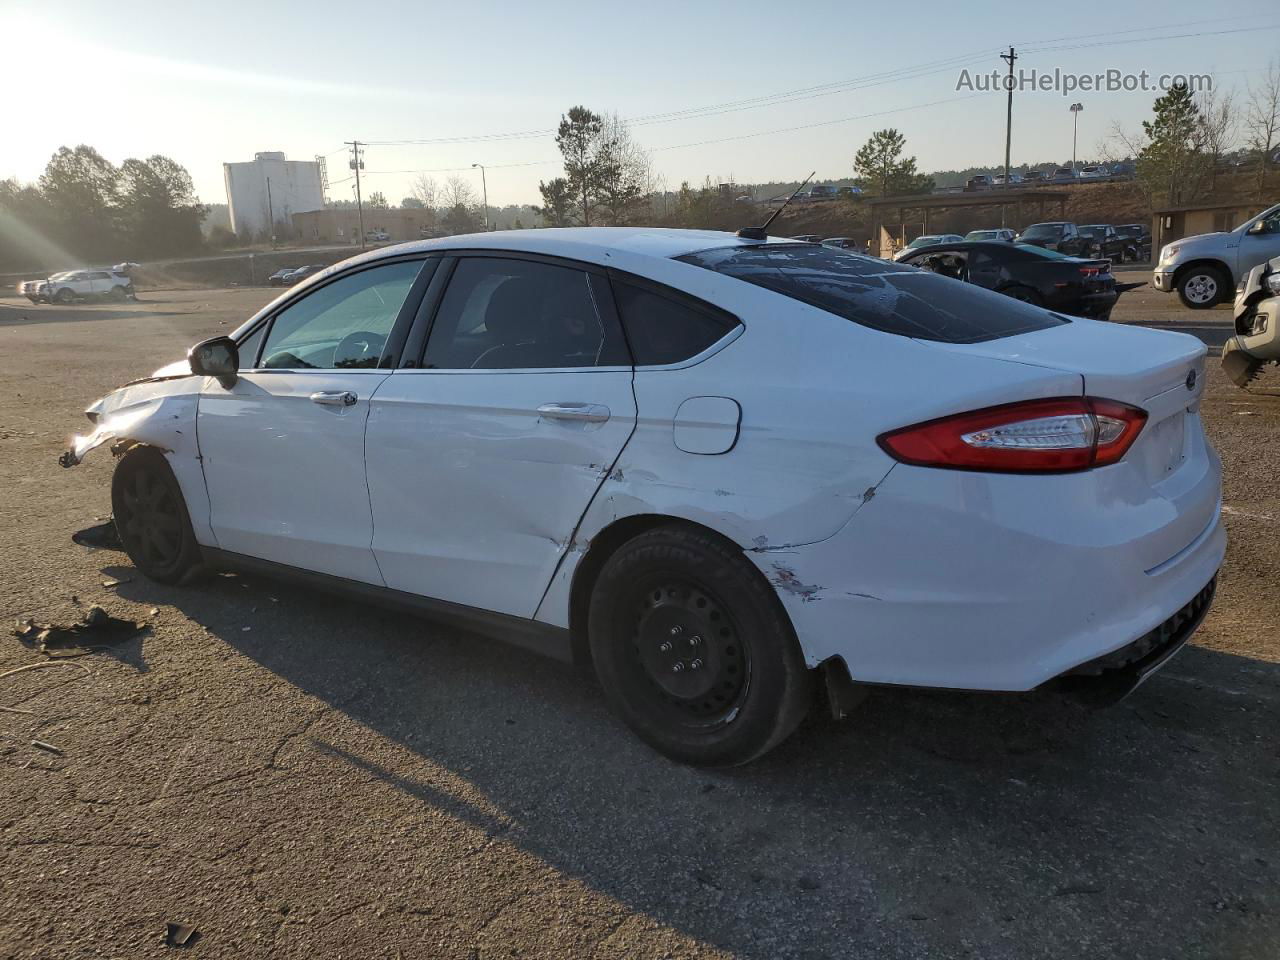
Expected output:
(37, 666)
(103, 536)
(47, 747)
(97, 630)
(116, 581)
(180, 934)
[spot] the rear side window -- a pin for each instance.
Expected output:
(889, 297)
(663, 329)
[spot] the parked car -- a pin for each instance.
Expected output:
(277, 279)
(1101, 240)
(998, 179)
(72, 285)
(1072, 285)
(1054, 235)
(928, 240)
(822, 191)
(848, 191)
(840, 243)
(1094, 171)
(1034, 176)
(809, 238)
(1063, 173)
(978, 182)
(999, 233)
(1137, 238)
(1257, 325)
(605, 480)
(301, 273)
(376, 236)
(1205, 269)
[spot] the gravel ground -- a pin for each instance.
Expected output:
(297, 775)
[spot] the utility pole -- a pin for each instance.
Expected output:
(357, 165)
(484, 188)
(271, 215)
(1075, 128)
(1009, 58)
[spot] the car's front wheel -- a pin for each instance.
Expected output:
(694, 650)
(1202, 287)
(65, 295)
(151, 516)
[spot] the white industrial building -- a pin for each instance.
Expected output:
(270, 190)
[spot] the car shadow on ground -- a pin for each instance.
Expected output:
(16, 316)
(926, 822)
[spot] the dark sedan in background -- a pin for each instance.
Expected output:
(1082, 288)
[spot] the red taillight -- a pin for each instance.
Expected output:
(1091, 271)
(1034, 436)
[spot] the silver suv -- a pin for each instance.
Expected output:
(1204, 269)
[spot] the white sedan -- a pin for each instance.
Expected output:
(724, 470)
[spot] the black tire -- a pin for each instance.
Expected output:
(1025, 294)
(1202, 288)
(117, 294)
(65, 295)
(677, 595)
(151, 517)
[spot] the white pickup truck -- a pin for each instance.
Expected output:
(72, 285)
(1204, 269)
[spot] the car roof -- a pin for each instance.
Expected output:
(965, 245)
(593, 244)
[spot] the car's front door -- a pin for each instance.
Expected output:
(1261, 243)
(283, 448)
(482, 460)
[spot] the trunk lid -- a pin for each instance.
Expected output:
(1158, 370)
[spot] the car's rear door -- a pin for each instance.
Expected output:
(483, 458)
(283, 448)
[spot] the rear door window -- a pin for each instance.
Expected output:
(893, 298)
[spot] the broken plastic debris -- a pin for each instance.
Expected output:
(116, 581)
(103, 536)
(180, 934)
(96, 630)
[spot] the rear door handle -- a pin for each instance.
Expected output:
(334, 398)
(583, 412)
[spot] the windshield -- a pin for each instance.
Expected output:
(1043, 230)
(924, 241)
(889, 297)
(981, 235)
(1093, 233)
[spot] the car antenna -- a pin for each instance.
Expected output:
(760, 232)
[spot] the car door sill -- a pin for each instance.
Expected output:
(543, 638)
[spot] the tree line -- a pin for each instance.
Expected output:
(85, 208)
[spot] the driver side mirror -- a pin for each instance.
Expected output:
(1263, 226)
(218, 357)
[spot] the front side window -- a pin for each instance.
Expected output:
(343, 325)
(893, 298)
(500, 314)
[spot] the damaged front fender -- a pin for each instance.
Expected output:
(159, 413)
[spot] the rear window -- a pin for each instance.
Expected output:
(889, 297)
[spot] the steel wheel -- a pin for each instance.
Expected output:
(688, 651)
(151, 517)
(1201, 288)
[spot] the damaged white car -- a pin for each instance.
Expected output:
(726, 471)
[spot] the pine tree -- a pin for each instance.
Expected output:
(881, 170)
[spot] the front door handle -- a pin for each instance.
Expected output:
(334, 398)
(582, 412)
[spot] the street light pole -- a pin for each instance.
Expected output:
(1075, 127)
(484, 189)
(357, 164)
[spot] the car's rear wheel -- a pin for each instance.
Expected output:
(151, 517)
(1202, 287)
(1026, 295)
(65, 295)
(117, 294)
(694, 650)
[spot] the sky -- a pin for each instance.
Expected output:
(753, 91)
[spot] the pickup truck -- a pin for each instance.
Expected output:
(1101, 240)
(72, 285)
(1204, 269)
(1059, 235)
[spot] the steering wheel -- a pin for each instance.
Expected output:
(363, 348)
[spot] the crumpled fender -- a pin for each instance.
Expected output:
(159, 412)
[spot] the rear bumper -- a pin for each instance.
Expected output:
(991, 582)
